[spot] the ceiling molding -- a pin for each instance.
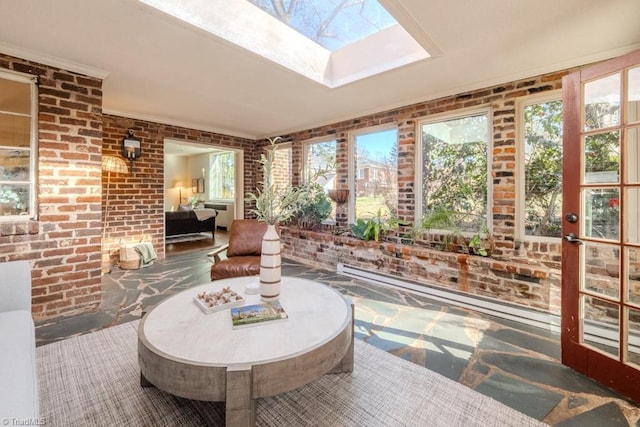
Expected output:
(188, 125)
(53, 61)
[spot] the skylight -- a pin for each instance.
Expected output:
(330, 23)
(359, 38)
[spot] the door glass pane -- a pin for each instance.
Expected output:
(601, 213)
(602, 103)
(632, 215)
(600, 324)
(602, 269)
(633, 95)
(633, 275)
(633, 336)
(632, 155)
(602, 158)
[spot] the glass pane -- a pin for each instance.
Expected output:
(16, 97)
(633, 95)
(602, 158)
(543, 169)
(632, 155)
(601, 213)
(633, 336)
(320, 168)
(14, 199)
(222, 175)
(15, 131)
(602, 103)
(14, 165)
(632, 215)
(377, 174)
(602, 269)
(633, 275)
(601, 324)
(454, 171)
(331, 24)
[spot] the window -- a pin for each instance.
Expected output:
(540, 201)
(320, 166)
(375, 168)
(18, 151)
(453, 170)
(222, 172)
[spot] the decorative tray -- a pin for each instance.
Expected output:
(210, 302)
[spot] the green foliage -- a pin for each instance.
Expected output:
(373, 228)
(314, 208)
(454, 171)
(275, 205)
(543, 168)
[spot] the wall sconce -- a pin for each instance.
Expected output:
(131, 147)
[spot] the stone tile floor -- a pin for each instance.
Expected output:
(515, 364)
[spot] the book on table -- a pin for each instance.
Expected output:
(257, 314)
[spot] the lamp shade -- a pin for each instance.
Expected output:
(114, 164)
(178, 184)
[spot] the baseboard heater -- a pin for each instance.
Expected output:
(489, 306)
(600, 335)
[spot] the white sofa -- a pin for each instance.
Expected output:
(18, 382)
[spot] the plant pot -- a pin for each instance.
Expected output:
(270, 265)
(339, 196)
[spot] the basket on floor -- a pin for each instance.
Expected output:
(129, 258)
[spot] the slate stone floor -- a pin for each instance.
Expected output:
(515, 364)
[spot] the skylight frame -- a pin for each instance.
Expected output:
(228, 19)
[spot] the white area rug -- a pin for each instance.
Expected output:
(93, 380)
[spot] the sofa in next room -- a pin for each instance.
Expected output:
(188, 221)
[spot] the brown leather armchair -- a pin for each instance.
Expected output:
(243, 250)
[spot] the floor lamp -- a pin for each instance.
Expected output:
(116, 165)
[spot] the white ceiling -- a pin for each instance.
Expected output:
(158, 68)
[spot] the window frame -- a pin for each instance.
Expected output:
(351, 160)
(453, 115)
(521, 103)
(32, 81)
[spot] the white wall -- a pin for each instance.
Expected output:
(175, 169)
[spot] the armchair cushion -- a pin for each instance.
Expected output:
(236, 266)
(245, 237)
(243, 251)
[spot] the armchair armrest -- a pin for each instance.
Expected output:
(216, 253)
(15, 292)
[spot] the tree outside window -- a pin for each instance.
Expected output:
(454, 170)
(543, 169)
(320, 166)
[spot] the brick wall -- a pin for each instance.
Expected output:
(544, 293)
(63, 244)
(136, 200)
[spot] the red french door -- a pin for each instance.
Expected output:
(601, 224)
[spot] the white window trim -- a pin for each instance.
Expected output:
(521, 103)
(451, 115)
(351, 161)
(33, 145)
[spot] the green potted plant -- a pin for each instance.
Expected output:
(273, 205)
(314, 208)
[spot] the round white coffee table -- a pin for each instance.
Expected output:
(194, 355)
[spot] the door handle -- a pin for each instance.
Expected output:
(572, 238)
